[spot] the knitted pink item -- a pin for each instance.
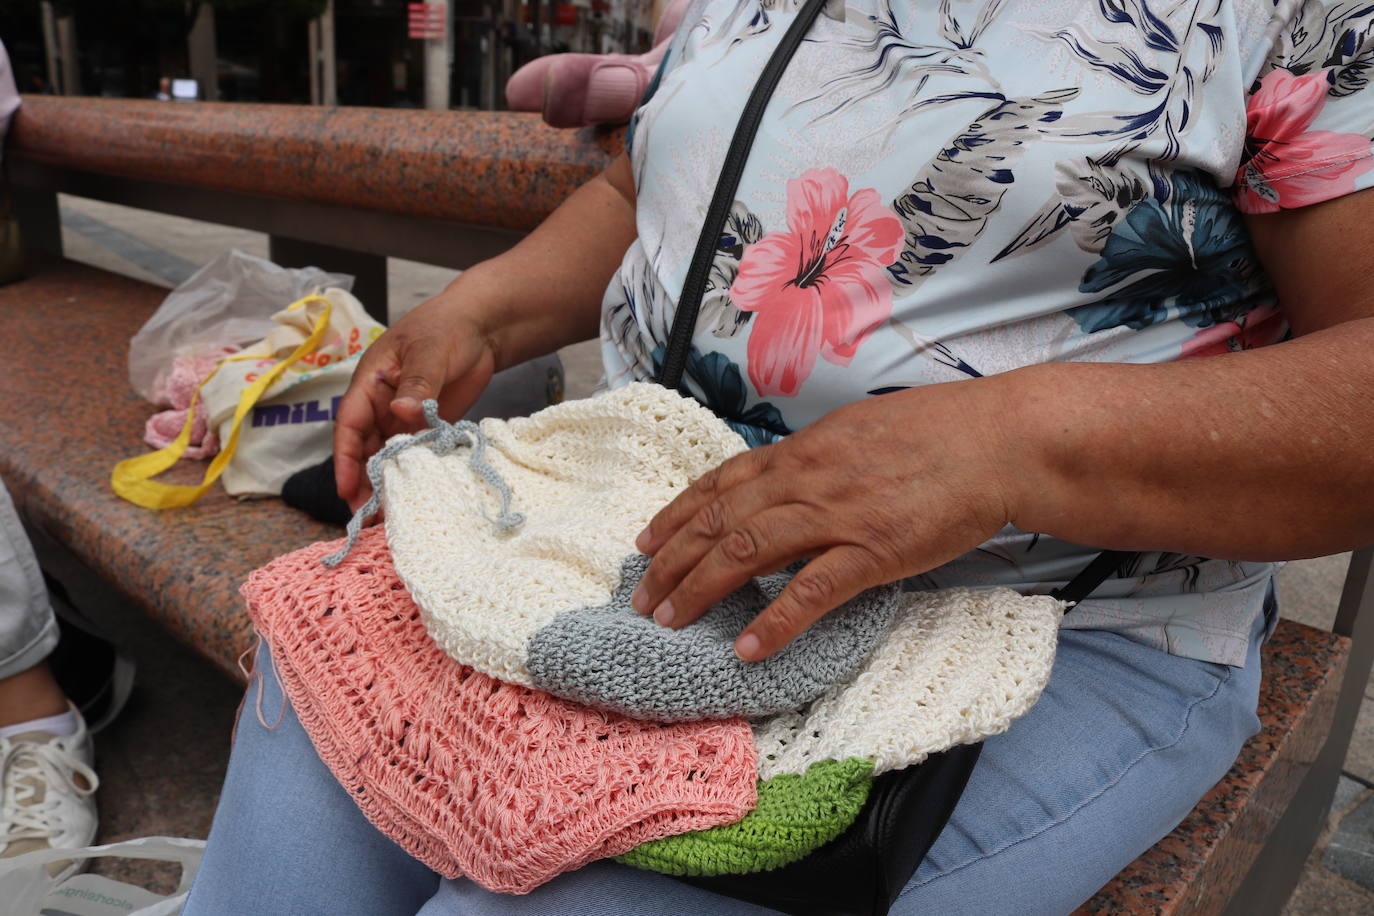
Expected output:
(177, 385)
(572, 90)
(174, 388)
(506, 785)
(162, 428)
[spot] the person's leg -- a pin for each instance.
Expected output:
(28, 628)
(1119, 748)
(602, 888)
(47, 786)
(287, 838)
(1114, 755)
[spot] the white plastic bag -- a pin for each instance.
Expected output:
(228, 302)
(27, 889)
(273, 404)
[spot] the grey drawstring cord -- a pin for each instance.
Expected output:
(442, 437)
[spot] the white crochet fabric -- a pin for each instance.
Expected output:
(587, 474)
(957, 666)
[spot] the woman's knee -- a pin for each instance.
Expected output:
(1118, 751)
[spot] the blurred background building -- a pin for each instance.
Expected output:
(386, 53)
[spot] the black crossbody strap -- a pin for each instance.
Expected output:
(694, 288)
(1093, 575)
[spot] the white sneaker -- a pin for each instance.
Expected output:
(48, 797)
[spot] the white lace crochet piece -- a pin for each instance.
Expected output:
(596, 469)
(958, 665)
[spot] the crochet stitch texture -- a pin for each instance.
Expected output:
(506, 785)
(795, 815)
(544, 601)
(587, 475)
(957, 666)
(612, 657)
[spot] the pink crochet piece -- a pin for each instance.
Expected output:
(174, 389)
(506, 785)
(163, 428)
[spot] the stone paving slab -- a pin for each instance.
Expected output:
(1349, 794)
(1350, 851)
(1324, 893)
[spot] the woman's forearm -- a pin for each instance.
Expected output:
(546, 291)
(1264, 454)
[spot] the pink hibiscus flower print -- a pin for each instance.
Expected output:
(820, 286)
(1286, 164)
(1261, 327)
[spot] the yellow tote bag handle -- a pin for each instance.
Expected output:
(132, 478)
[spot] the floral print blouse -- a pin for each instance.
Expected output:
(944, 190)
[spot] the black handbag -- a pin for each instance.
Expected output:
(861, 872)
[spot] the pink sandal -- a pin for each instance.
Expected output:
(572, 90)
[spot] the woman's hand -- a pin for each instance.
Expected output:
(873, 492)
(543, 294)
(1256, 455)
(440, 350)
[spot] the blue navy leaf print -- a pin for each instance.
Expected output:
(1089, 198)
(1189, 257)
(1172, 85)
(759, 20)
(1154, 30)
(635, 312)
(937, 351)
(1352, 53)
(1337, 35)
(1171, 88)
(1215, 34)
(947, 206)
(953, 32)
(720, 386)
(1110, 56)
(718, 312)
(895, 56)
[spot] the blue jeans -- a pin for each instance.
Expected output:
(1119, 748)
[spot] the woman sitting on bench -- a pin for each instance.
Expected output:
(991, 289)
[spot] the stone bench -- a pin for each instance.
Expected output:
(341, 189)
(344, 188)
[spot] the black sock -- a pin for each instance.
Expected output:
(312, 490)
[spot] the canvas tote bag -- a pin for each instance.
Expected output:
(273, 405)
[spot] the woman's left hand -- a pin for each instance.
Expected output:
(873, 492)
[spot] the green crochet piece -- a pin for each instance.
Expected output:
(794, 816)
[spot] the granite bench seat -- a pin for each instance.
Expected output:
(68, 414)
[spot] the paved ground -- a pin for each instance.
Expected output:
(162, 762)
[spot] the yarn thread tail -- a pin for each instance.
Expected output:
(442, 437)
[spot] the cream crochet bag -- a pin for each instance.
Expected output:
(502, 531)
(506, 531)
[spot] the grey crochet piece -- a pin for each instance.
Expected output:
(612, 658)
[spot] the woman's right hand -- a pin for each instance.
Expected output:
(439, 350)
(542, 294)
